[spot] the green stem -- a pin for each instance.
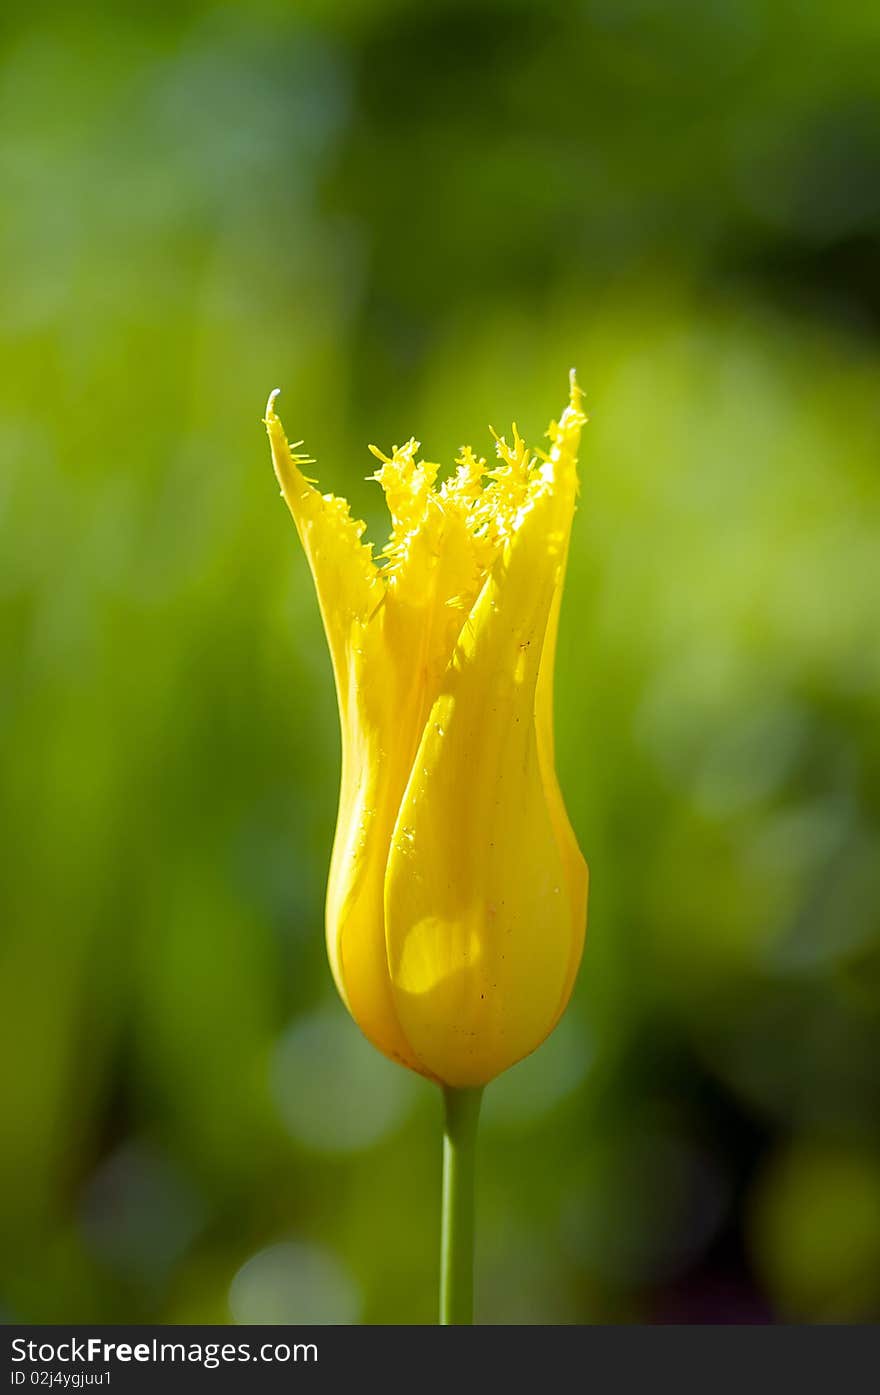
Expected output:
(457, 1221)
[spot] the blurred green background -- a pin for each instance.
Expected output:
(414, 218)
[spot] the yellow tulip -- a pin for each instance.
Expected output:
(457, 896)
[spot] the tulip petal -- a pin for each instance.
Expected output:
(350, 594)
(346, 578)
(479, 886)
(566, 439)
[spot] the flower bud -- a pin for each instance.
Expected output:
(456, 904)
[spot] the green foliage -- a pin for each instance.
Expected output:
(415, 219)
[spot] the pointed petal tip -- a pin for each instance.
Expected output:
(270, 405)
(575, 411)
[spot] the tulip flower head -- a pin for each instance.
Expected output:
(457, 896)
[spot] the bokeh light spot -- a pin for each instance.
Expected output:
(296, 1283)
(333, 1090)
